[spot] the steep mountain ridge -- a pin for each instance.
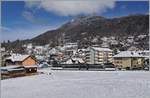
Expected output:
(85, 29)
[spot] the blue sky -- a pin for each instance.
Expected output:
(25, 20)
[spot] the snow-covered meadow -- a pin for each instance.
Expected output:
(79, 84)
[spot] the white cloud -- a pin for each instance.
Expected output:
(28, 16)
(32, 3)
(31, 17)
(66, 7)
(2, 28)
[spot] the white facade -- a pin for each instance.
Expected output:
(97, 55)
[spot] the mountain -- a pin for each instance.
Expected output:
(84, 29)
(88, 27)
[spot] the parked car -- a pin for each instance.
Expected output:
(146, 68)
(109, 67)
(43, 65)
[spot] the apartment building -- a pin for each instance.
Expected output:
(130, 59)
(97, 55)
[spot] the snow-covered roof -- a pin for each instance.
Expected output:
(129, 54)
(39, 47)
(61, 48)
(11, 67)
(69, 61)
(2, 49)
(101, 49)
(71, 43)
(82, 49)
(17, 57)
(54, 51)
(39, 57)
(78, 59)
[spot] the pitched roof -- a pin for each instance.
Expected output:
(78, 59)
(17, 57)
(129, 54)
(54, 51)
(101, 49)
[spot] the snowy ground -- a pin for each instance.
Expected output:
(79, 84)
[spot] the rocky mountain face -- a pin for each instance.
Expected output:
(121, 33)
(86, 29)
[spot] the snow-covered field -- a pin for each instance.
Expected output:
(79, 84)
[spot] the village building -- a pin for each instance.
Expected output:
(28, 47)
(70, 49)
(12, 71)
(40, 50)
(97, 55)
(18, 59)
(74, 61)
(71, 45)
(129, 59)
(4, 55)
(26, 61)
